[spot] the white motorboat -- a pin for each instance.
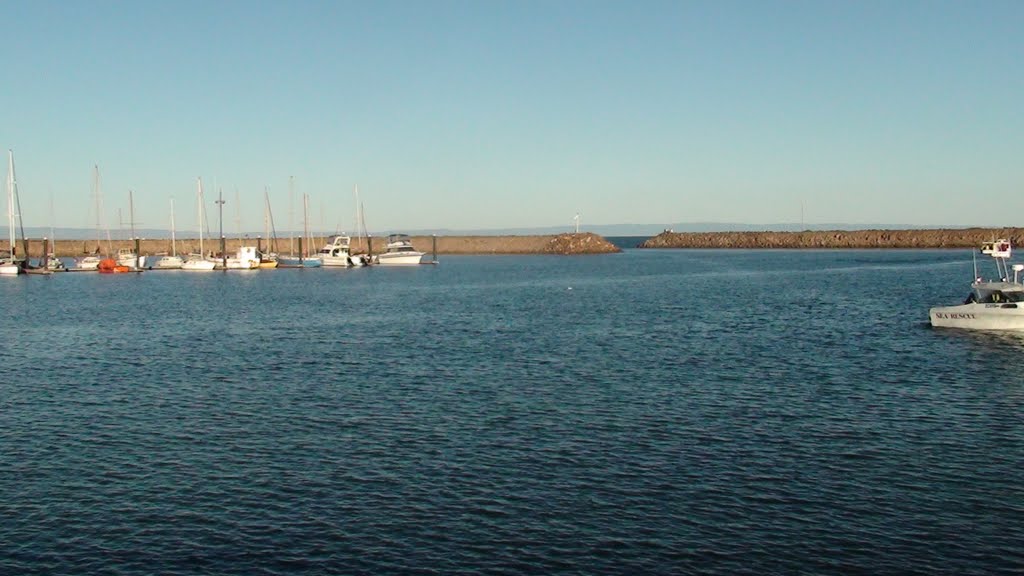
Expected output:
(399, 251)
(336, 251)
(128, 257)
(992, 304)
(247, 258)
(54, 264)
(88, 263)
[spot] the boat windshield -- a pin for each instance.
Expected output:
(998, 296)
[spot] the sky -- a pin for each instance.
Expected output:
(470, 115)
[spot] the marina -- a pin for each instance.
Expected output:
(484, 400)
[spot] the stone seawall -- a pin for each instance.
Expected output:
(940, 238)
(583, 243)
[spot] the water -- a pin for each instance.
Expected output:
(674, 411)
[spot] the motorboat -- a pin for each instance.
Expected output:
(399, 251)
(54, 264)
(247, 258)
(88, 263)
(128, 257)
(336, 251)
(991, 304)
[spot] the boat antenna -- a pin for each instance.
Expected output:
(974, 260)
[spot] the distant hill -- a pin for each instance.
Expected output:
(607, 230)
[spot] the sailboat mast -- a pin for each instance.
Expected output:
(199, 195)
(291, 215)
(305, 220)
(17, 206)
(131, 213)
(10, 200)
(174, 249)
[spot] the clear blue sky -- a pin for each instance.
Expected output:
(488, 114)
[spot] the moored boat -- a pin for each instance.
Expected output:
(111, 266)
(399, 251)
(336, 251)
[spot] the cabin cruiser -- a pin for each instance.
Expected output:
(399, 250)
(54, 264)
(335, 252)
(128, 257)
(247, 258)
(991, 304)
(88, 262)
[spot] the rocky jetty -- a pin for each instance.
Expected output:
(939, 238)
(568, 244)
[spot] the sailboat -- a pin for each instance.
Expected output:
(92, 261)
(127, 256)
(173, 261)
(303, 260)
(268, 257)
(10, 265)
(359, 259)
(198, 262)
(52, 263)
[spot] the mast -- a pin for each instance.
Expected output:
(272, 232)
(17, 206)
(131, 213)
(10, 201)
(291, 215)
(53, 240)
(99, 208)
(199, 197)
(174, 250)
(305, 220)
(238, 214)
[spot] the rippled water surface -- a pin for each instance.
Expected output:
(733, 412)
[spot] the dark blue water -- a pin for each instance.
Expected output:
(731, 412)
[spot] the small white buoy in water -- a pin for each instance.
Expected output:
(569, 288)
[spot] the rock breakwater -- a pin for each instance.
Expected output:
(568, 244)
(934, 238)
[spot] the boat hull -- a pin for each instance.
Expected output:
(198, 265)
(288, 262)
(169, 263)
(341, 261)
(979, 316)
(400, 258)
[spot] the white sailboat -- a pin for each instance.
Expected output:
(359, 259)
(10, 265)
(198, 262)
(52, 263)
(303, 260)
(172, 261)
(127, 256)
(92, 261)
